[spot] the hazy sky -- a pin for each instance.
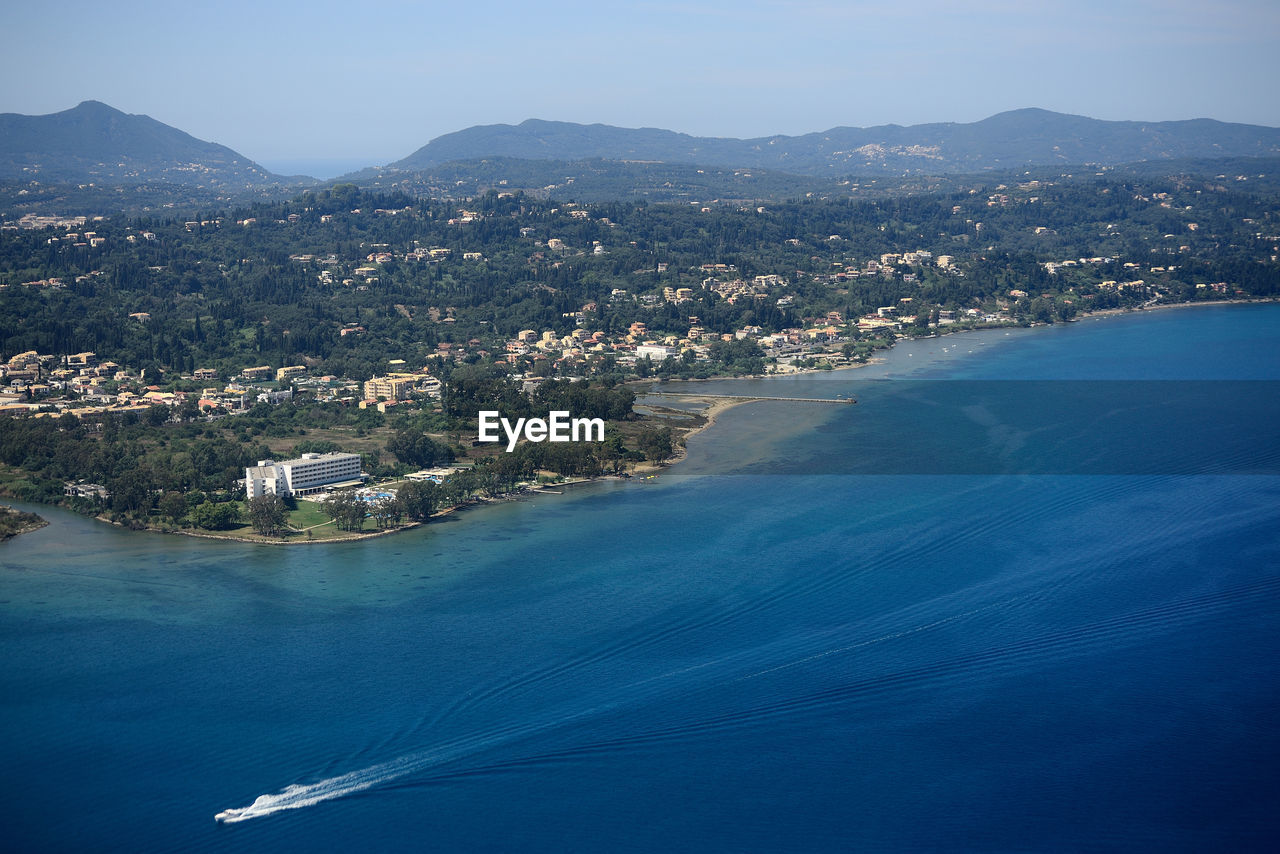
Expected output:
(369, 82)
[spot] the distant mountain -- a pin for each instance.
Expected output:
(96, 143)
(599, 181)
(1029, 137)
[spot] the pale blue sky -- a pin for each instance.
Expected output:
(367, 83)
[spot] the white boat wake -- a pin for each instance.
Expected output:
(297, 796)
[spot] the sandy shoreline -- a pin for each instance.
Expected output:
(1114, 312)
(714, 406)
(717, 404)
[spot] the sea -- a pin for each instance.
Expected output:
(1023, 595)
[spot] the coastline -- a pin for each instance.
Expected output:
(265, 541)
(1114, 312)
(718, 404)
(261, 540)
(713, 405)
(23, 522)
(947, 331)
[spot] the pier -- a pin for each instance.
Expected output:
(708, 396)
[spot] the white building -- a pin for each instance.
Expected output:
(311, 473)
(656, 352)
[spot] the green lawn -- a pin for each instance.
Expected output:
(308, 515)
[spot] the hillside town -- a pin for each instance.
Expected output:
(87, 386)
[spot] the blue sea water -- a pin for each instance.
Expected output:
(771, 647)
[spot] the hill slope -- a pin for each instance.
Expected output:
(93, 142)
(1030, 137)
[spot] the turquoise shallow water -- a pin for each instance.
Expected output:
(767, 648)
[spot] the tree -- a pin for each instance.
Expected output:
(216, 517)
(70, 425)
(174, 505)
(657, 445)
(131, 492)
(417, 449)
(347, 510)
(387, 511)
(267, 514)
(419, 499)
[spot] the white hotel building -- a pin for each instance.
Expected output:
(310, 473)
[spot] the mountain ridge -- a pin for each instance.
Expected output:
(96, 143)
(1031, 136)
(93, 141)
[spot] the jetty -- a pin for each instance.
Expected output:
(709, 396)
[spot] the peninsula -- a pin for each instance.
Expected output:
(14, 522)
